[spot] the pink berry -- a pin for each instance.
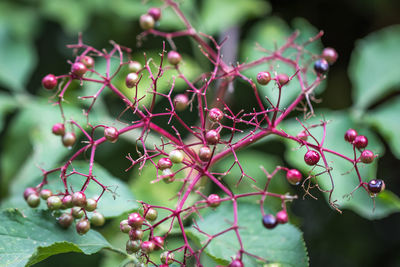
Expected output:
(155, 13)
(311, 157)
(181, 102)
(367, 156)
(360, 141)
(111, 134)
(215, 115)
(293, 176)
(174, 58)
(29, 191)
(88, 61)
(330, 55)
(79, 199)
(214, 200)
(282, 217)
(49, 81)
(282, 79)
(236, 263)
(164, 163)
(58, 129)
(131, 79)
(147, 247)
(263, 77)
(205, 153)
(135, 220)
(350, 135)
(302, 135)
(69, 139)
(79, 69)
(158, 242)
(212, 137)
(146, 22)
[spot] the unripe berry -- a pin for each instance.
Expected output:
(360, 141)
(212, 137)
(33, 200)
(236, 263)
(205, 153)
(135, 220)
(69, 139)
(54, 203)
(174, 58)
(302, 136)
(151, 214)
(136, 234)
(282, 217)
(269, 221)
(321, 66)
(79, 69)
(83, 226)
(77, 212)
(282, 79)
(97, 219)
(132, 246)
(49, 81)
(155, 13)
(79, 199)
(311, 157)
(124, 226)
(131, 79)
(168, 176)
(146, 22)
(263, 77)
(330, 55)
(65, 220)
(134, 66)
(376, 186)
(215, 115)
(45, 193)
(214, 200)
(147, 247)
(29, 191)
(176, 156)
(167, 257)
(158, 242)
(88, 61)
(350, 135)
(111, 134)
(58, 129)
(367, 156)
(164, 163)
(91, 204)
(293, 176)
(181, 102)
(67, 202)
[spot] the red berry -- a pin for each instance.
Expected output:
(360, 141)
(49, 81)
(236, 263)
(58, 129)
(376, 186)
(174, 58)
(215, 115)
(282, 79)
(269, 221)
(83, 226)
(205, 153)
(330, 55)
(282, 217)
(111, 134)
(181, 102)
(214, 200)
(164, 163)
(65, 220)
(79, 69)
(155, 13)
(311, 157)
(350, 135)
(135, 220)
(88, 61)
(147, 247)
(158, 242)
(79, 199)
(367, 156)
(131, 79)
(69, 139)
(293, 176)
(146, 22)
(212, 137)
(263, 77)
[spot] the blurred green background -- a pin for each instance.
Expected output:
(33, 35)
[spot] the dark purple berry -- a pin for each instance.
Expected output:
(111, 134)
(97, 219)
(212, 137)
(147, 247)
(146, 22)
(282, 217)
(350, 135)
(136, 234)
(79, 199)
(282, 79)
(79, 69)
(69, 139)
(269, 221)
(215, 115)
(205, 153)
(360, 141)
(131, 79)
(65, 220)
(263, 77)
(293, 176)
(321, 66)
(181, 102)
(54, 203)
(164, 163)
(135, 220)
(174, 58)
(49, 81)
(311, 157)
(376, 186)
(124, 226)
(45, 193)
(367, 156)
(214, 200)
(155, 13)
(132, 246)
(158, 242)
(83, 226)
(236, 263)
(151, 214)
(88, 61)
(33, 200)
(330, 55)
(58, 129)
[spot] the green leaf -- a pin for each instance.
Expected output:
(344, 177)
(283, 245)
(29, 236)
(373, 66)
(384, 119)
(7, 104)
(219, 15)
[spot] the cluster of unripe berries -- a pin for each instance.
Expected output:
(78, 204)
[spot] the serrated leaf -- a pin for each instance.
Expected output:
(283, 245)
(29, 236)
(373, 66)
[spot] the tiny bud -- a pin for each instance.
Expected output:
(350, 135)
(134, 66)
(212, 137)
(330, 55)
(293, 176)
(176, 156)
(360, 141)
(263, 77)
(49, 81)
(88, 61)
(282, 79)
(45, 193)
(205, 153)
(83, 226)
(181, 102)
(111, 134)
(78, 69)
(69, 139)
(282, 217)
(124, 226)
(174, 58)
(131, 79)
(146, 22)
(215, 115)
(97, 219)
(214, 200)
(58, 129)
(155, 13)
(79, 199)
(367, 156)
(164, 163)
(311, 157)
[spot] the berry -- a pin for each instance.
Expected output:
(282, 79)
(282, 217)
(65, 220)
(174, 58)
(79, 69)
(167, 257)
(176, 156)
(147, 247)
(376, 186)
(360, 141)
(263, 77)
(29, 191)
(164, 163)
(132, 246)
(54, 203)
(212, 137)
(350, 135)
(97, 219)
(67, 202)
(205, 153)
(134, 66)
(136, 234)
(124, 226)
(33, 200)
(236, 263)
(214, 200)
(135, 220)
(269, 221)
(293, 176)
(155, 13)
(91, 204)
(302, 136)
(131, 79)
(168, 176)
(83, 226)
(111, 134)
(146, 22)
(215, 115)
(77, 212)
(49, 81)
(88, 61)
(158, 242)
(311, 157)
(181, 102)
(367, 156)
(321, 66)
(151, 214)
(58, 129)
(79, 199)
(69, 139)
(330, 55)
(45, 194)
